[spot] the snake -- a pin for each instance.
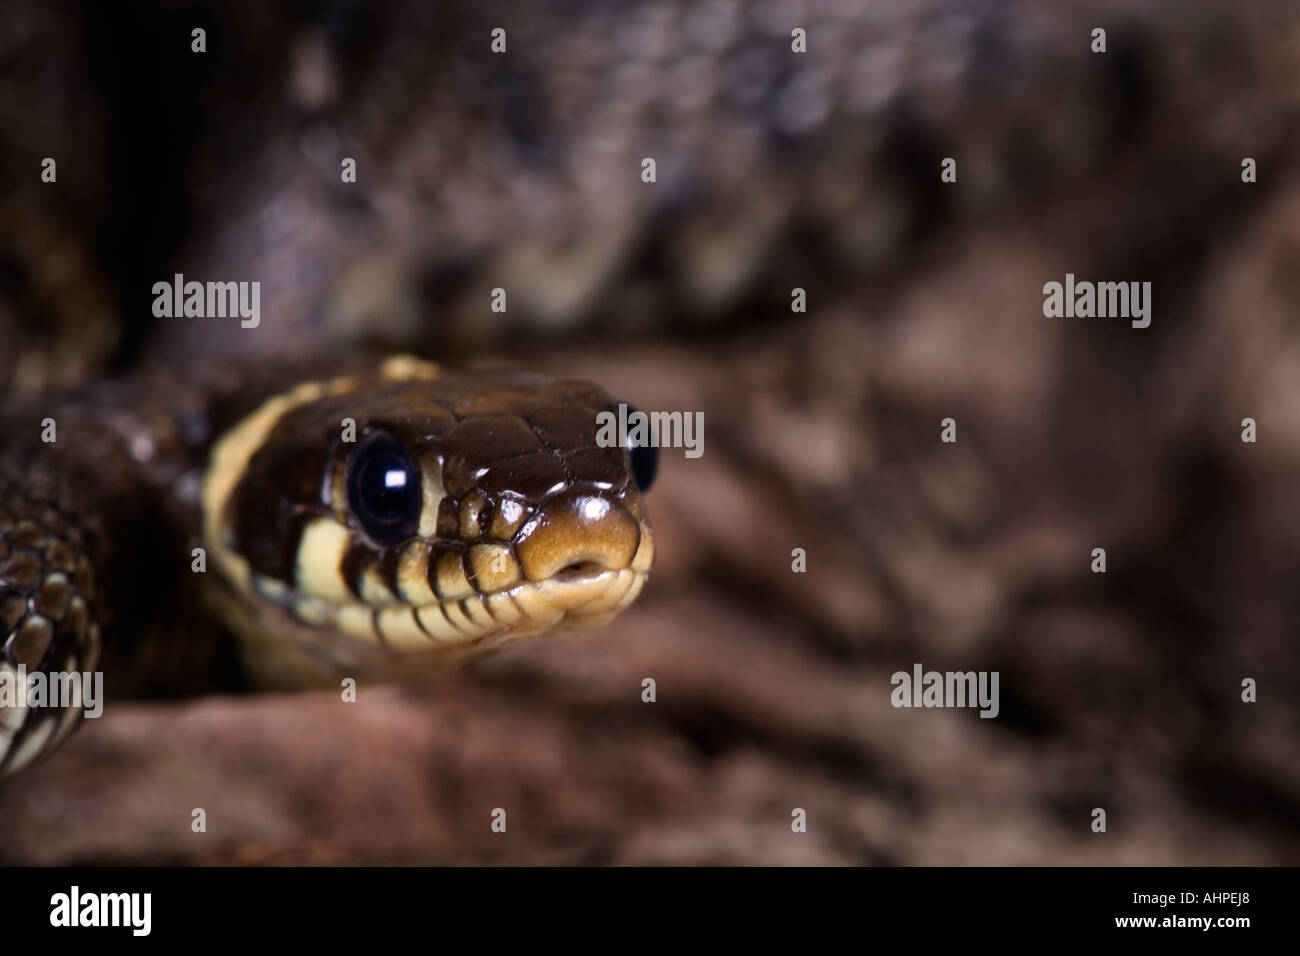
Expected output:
(376, 519)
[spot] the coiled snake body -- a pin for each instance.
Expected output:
(375, 520)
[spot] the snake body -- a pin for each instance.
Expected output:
(375, 520)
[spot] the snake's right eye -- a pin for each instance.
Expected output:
(383, 487)
(644, 460)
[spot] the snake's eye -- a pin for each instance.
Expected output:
(645, 461)
(383, 488)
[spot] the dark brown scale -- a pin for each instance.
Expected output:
(21, 570)
(75, 620)
(53, 596)
(445, 554)
(13, 606)
(61, 557)
(357, 560)
(28, 534)
(390, 561)
(448, 518)
(31, 641)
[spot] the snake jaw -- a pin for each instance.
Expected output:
(582, 592)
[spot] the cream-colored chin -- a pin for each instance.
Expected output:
(411, 640)
(527, 608)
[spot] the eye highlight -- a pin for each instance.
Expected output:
(383, 488)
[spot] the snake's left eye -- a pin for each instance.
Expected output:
(383, 488)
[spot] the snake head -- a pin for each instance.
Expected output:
(428, 513)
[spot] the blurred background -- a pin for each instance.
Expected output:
(775, 170)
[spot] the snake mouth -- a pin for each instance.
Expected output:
(580, 570)
(565, 569)
(589, 591)
(583, 586)
(580, 595)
